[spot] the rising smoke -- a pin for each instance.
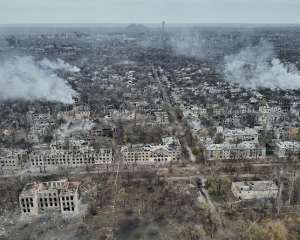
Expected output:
(25, 78)
(187, 45)
(60, 64)
(257, 66)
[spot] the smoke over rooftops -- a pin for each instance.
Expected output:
(257, 66)
(25, 78)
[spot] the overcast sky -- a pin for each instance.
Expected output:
(149, 11)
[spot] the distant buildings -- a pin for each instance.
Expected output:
(55, 196)
(254, 190)
(163, 26)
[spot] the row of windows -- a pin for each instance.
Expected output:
(140, 153)
(69, 159)
(26, 199)
(65, 209)
(27, 205)
(54, 163)
(50, 205)
(46, 199)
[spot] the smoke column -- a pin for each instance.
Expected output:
(60, 64)
(187, 46)
(257, 67)
(24, 78)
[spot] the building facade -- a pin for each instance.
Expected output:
(244, 150)
(10, 158)
(287, 149)
(70, 157)
(169, 151)
(55, 196)
(247, 134)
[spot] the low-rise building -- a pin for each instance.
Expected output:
(287, 149)
(254, 190)
(55, 196)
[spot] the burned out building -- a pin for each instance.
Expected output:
(55, 196)
(104, 130)
(10, 158)
(169, 151)
(70, 157)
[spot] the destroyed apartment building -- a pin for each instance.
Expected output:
(70, 144)
(247, 134)
(287, 149)
(103, 130)
(70, 157)
(244, 150)
(10, 158)
(254, 190)
(167, 152)
(55, 196)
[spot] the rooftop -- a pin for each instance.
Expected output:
(256, 185)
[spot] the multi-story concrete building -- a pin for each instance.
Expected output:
(247, 134)
(70, 157)
(55, 196)
(104, 130)
(169, 151)
(10, 158)
(70, 145)
(269, 109)
(243, 150)
(73, 114)
(38, 117)
(287, 148)
(254, 190)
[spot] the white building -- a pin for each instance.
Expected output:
(287, 148)
(254, 190)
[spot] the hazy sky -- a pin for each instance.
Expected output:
(149, 11)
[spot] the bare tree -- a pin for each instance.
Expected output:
(279, 202)
(292, 179)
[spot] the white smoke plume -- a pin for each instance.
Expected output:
(24, 78)
(60, 64)
(187, 46)
(257, 66)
